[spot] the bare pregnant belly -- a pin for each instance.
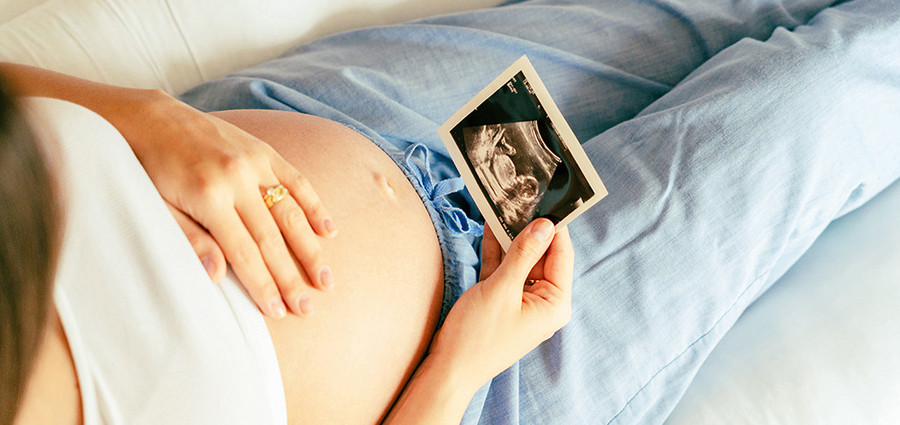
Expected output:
(348, 361)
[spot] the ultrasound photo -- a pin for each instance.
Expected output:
(518, 157)
(514, 165)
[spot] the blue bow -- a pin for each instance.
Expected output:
(454, 217)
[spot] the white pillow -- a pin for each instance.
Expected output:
(176, 44)
(9, 9)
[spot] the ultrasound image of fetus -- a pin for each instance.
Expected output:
(514, 166)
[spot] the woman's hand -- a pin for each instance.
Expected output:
(213, 176)
(522, 300)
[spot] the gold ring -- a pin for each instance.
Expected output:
(530, 282)
(274, 194)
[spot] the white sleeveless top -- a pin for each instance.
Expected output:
(153, 339)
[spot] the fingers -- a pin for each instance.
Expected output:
(559, 262)
(212, 171)
(242, 251)
(204, 245)
(555, 289)
(271, 244)
(524, 252)
(305, 196)
(491, 254)
(299, 235)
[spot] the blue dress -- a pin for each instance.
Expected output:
(728, 135)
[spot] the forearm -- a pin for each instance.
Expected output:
(437, 393)
(210, 173)
(119, 105)
(32, 81)
(136, 113)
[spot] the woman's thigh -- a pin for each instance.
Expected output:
(715, 190)
(602, 61)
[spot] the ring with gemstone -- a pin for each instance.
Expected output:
(274, 194)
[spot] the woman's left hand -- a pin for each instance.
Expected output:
(523, 299)
(213, 175)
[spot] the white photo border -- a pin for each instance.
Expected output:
(567, 138)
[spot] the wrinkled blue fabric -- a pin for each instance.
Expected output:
(436, 193)
(729, 134)
(455, 229)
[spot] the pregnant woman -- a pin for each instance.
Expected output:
(728, 138)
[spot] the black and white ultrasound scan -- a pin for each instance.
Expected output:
(518, 157)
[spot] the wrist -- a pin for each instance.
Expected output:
(454, 371)
(438, 393)
(145, 116)
(123, 106)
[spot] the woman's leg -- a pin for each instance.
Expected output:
(602, 61)
(715, 190)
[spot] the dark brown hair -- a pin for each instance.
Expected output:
(29, 235)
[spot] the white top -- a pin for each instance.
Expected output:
(153, 339)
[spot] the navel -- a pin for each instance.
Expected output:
(385, 186)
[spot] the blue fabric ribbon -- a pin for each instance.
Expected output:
(416, 157)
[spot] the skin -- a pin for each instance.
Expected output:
(389, 272)
(493, 324)
(368, 350)
(212, 176)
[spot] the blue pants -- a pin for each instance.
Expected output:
(728, 135)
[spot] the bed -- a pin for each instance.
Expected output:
(822, 346)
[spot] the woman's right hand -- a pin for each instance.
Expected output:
(523, 298)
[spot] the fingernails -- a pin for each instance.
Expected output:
(329, 226)
(278, 309)
(325, 277)
(305, 304)
(542, 230)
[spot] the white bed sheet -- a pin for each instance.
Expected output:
(822, 346)
(9, 9)
(176, 44)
